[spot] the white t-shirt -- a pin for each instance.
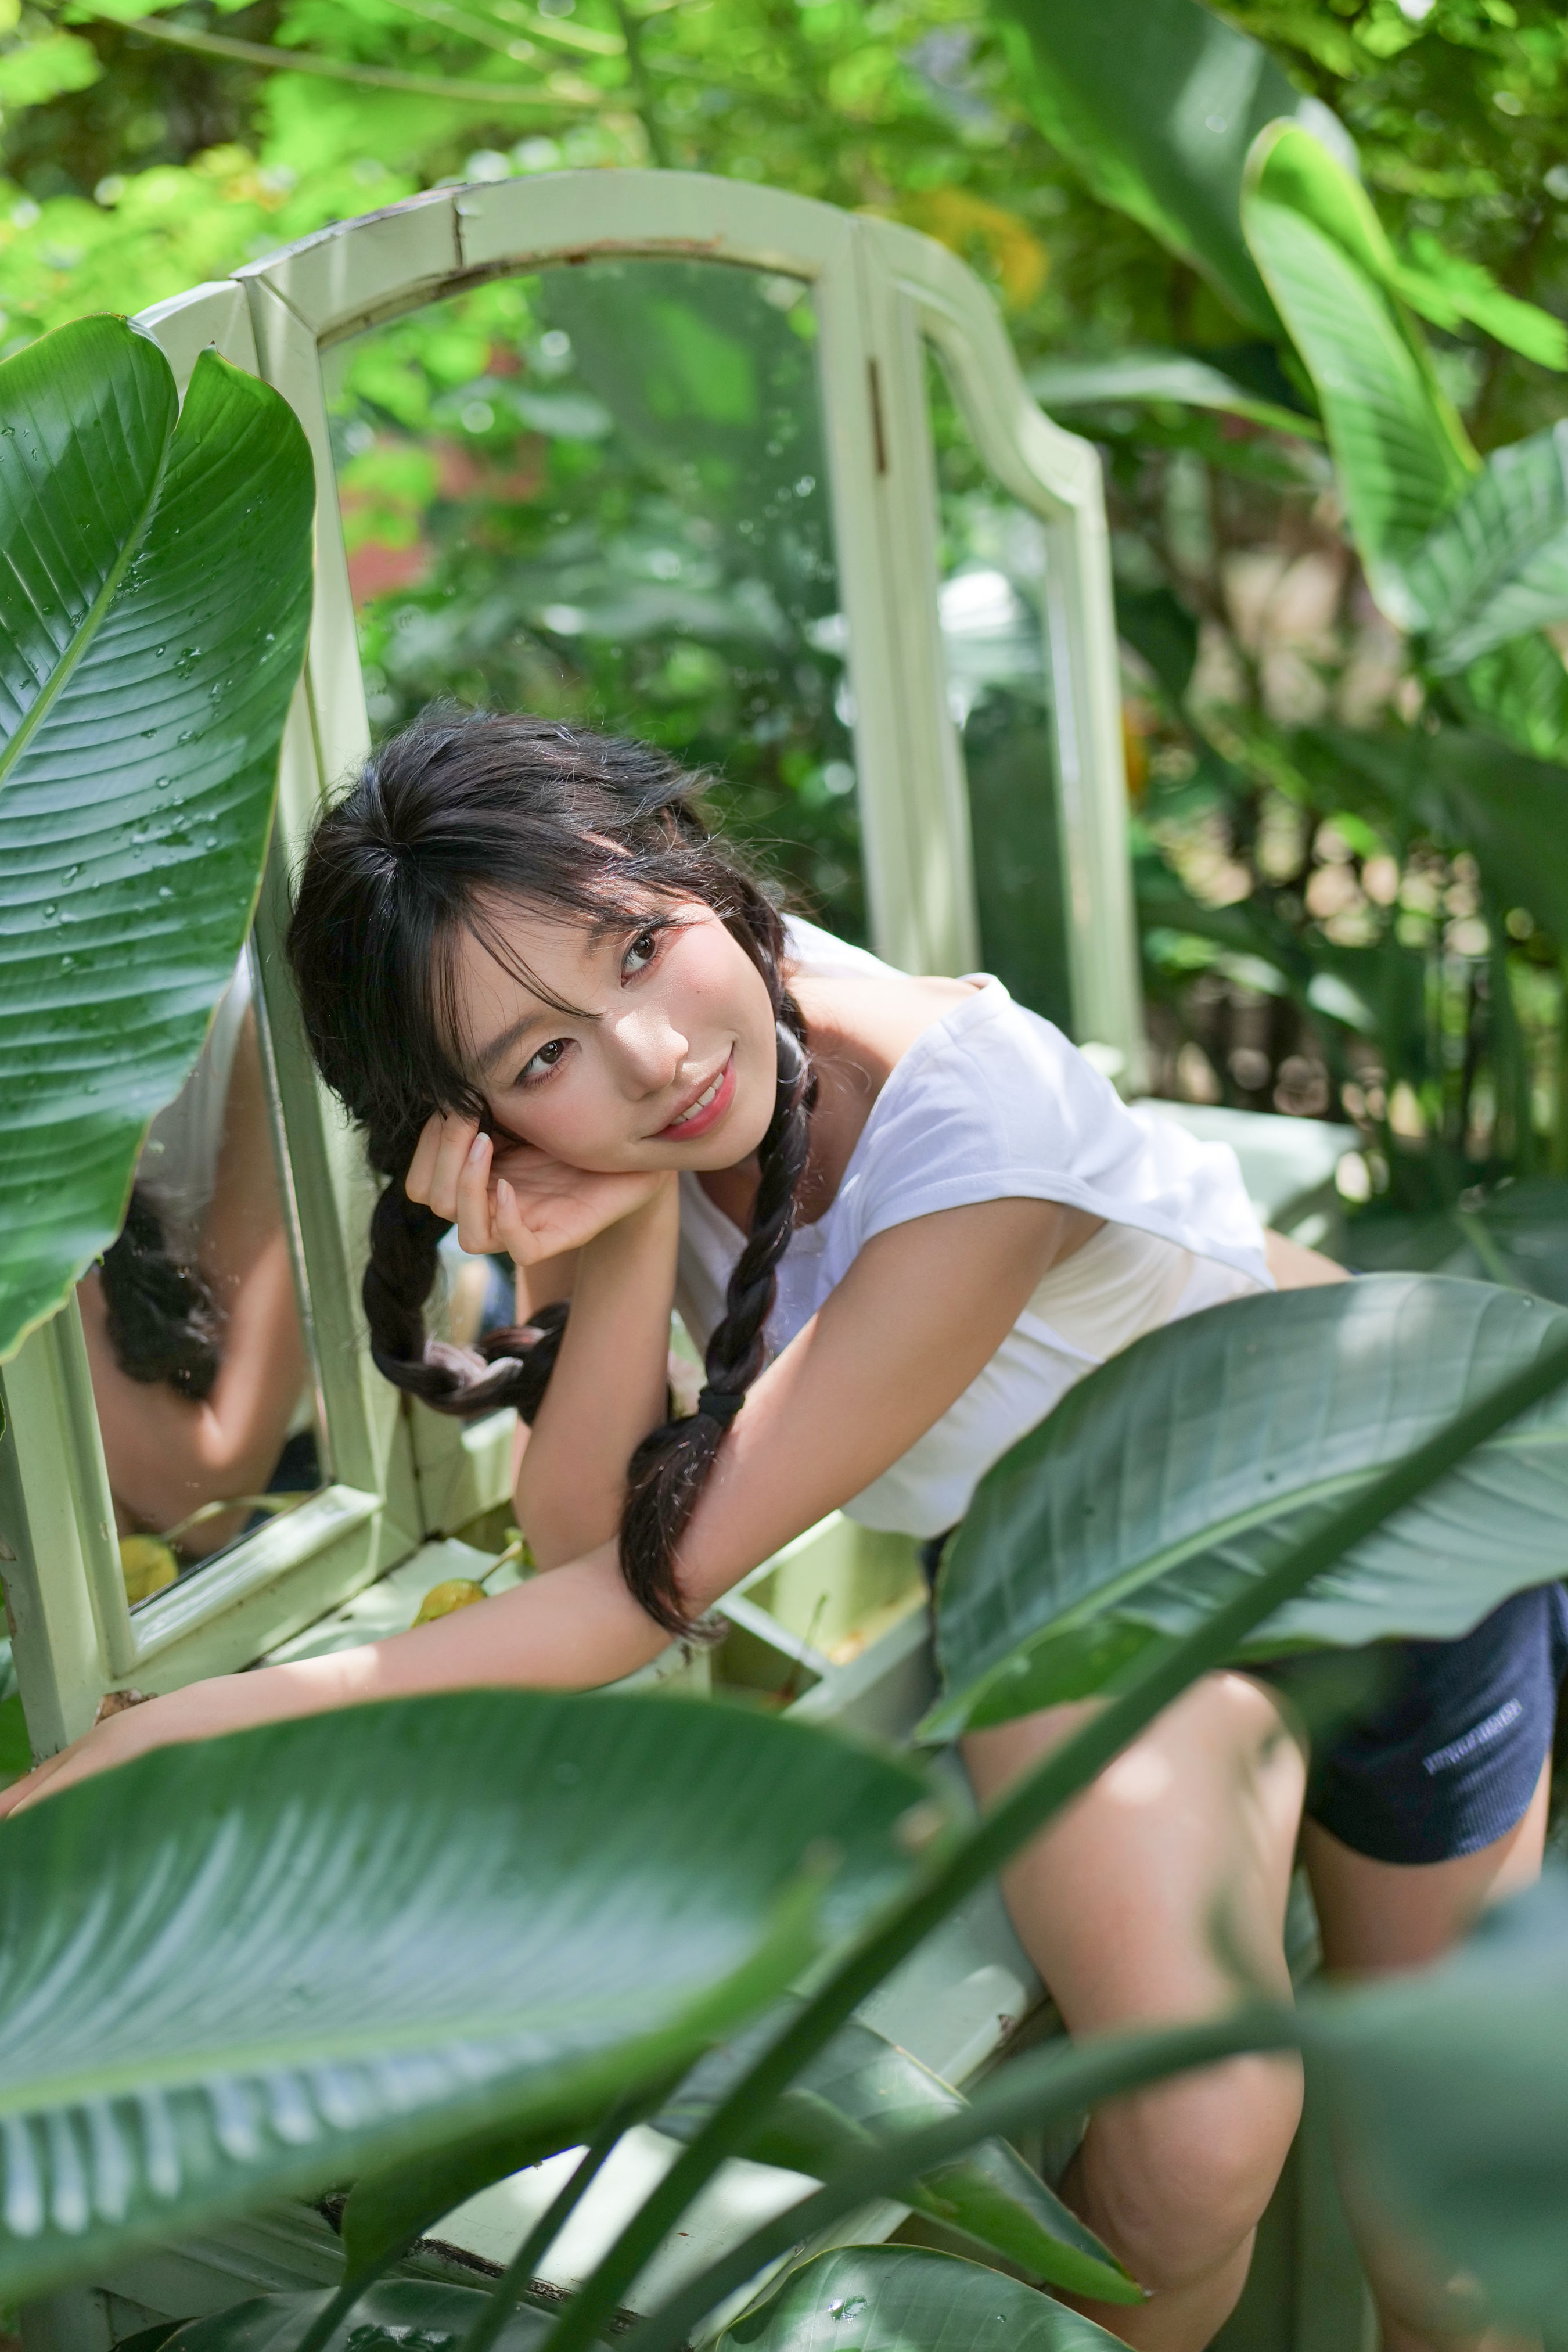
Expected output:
(992, 1103)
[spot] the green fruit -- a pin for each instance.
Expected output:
(457, 1593)
(147, 1564)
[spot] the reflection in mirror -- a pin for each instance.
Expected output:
(600, 492)
(992, 605)
(200, 1369)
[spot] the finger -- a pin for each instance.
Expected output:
(422, 1167)
(509, 1228)
(451, 1157)
(474, 1220)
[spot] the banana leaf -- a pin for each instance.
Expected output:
(1155, 103)
(863, 2088)
(1180, 376)
(903, 2299)
(1519, 692)
(1496, 566)
(154, 592)
(1194, 1458)
(396, 2315)
(261, 1965)
(1403, 455)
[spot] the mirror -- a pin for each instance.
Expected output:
(600, 492)
(992, 607)
(201, 1368)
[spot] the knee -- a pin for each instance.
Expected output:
(1176, 2178)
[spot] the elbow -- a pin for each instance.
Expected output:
(557, 1529)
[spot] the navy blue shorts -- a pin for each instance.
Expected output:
(1442, 1753)
(1446, 1757)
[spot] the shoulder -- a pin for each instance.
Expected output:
(992, 1102)
(817, 954)
(987, 1099)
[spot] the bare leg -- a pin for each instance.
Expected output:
(1193, 1827)
(1378, 1917)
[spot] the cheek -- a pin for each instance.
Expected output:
(554, 1117)
(719, 982)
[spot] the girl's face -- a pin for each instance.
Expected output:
(668, 1060)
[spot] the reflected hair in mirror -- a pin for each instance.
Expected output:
(461, 813)
(162, 1320)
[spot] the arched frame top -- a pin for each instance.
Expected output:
(879, 288)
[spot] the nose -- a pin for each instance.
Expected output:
(649, 1049)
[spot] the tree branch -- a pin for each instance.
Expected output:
(277, 60)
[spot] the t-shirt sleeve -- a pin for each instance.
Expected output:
(996, 1104)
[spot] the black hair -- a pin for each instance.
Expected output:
(459, 813)
(162, 1320)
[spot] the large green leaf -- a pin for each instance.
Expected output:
(1155, 103)
(154, 591)
(266, 1963)
(1496, 566)
(1192, 1461)
(1520, 692)
(1451, 2087)
(387, 2210)
(1518, 1235)
(903, 2299)
(1448, 287)
(1402, 458)
(1180, 376)
(397, 2316)
(862, 2088)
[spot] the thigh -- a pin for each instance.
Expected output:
(1377, 1915)
(1172, 1871)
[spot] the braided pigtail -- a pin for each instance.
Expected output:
(162, 1320)
(667, 1471)
(506, 1368)
(461, 816)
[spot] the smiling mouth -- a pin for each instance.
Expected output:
(706, 1111)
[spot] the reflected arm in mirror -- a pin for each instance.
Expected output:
(167, 1453)
(919, 1313)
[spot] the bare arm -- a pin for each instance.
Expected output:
(167, 1454)
(608, 1242)
(919, 1314)
(1295, 1269)
(608, 1388)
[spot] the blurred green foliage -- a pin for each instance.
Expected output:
(532, 523)
(1310, 947)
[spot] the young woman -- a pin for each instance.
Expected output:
(904, 1217)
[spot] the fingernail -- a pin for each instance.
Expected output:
(478, 1148)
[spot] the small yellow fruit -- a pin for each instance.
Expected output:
(457, 1592)
(147, 1564)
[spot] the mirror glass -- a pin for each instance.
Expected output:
(207, 1401)
(992, 603)
(600, 492)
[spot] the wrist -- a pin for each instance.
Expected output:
(654, 1222)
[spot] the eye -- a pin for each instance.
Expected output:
(539, 1066)
(641, 953)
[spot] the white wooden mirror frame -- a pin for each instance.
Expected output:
(880, 293)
